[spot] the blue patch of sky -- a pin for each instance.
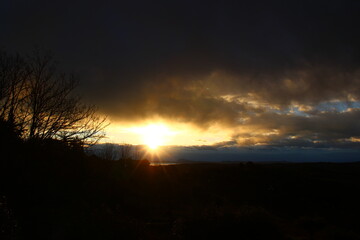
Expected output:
(339, 106)
(290, 110)
(329, 106)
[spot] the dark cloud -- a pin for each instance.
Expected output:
(324, 129)
(205, 147)
(205, 62)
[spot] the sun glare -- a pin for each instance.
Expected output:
(154, 135)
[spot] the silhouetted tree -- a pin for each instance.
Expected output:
(110, 151)
(13, 75)
(125, 153)
(138, 152)
(39, 102)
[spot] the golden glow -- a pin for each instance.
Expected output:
(154, 135)
(354, 139)
(157, 132)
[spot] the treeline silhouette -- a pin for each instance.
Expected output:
(51, 189)
(46, 182)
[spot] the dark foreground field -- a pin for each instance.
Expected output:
(71, 196)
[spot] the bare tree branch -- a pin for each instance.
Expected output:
(40, 102)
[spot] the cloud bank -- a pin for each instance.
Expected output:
(275, 73)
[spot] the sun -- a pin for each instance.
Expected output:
(154, 135)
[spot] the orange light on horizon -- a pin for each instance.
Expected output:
(154, 135)
(158, 132)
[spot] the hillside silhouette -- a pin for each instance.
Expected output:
(52, 191)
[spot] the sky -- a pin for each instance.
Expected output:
(224, 74)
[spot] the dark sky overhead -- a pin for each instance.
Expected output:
(275, 73)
